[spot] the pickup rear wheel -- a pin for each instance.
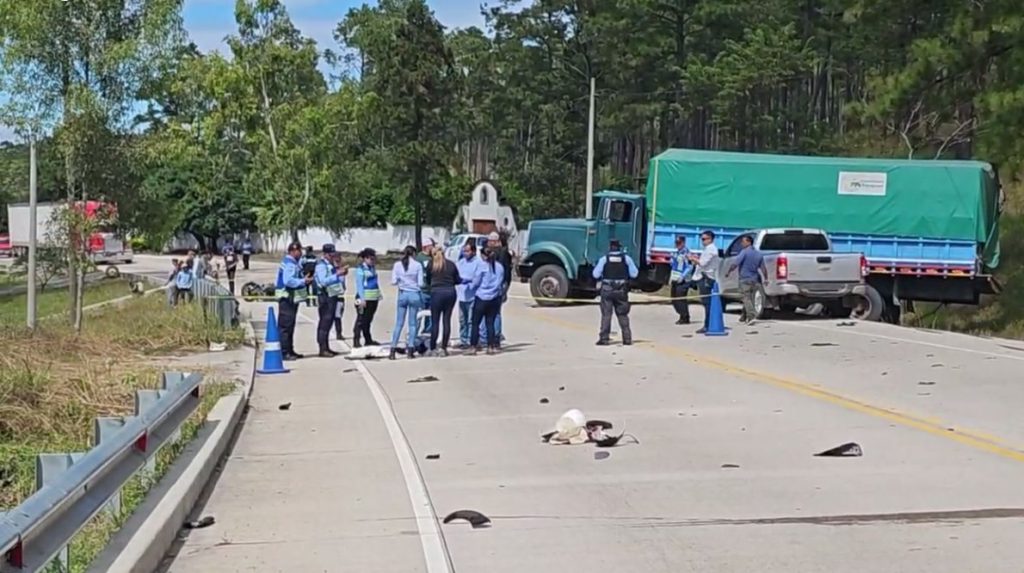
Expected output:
(869, 305)
(549, 285)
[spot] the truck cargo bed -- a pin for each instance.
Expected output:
(886, 255)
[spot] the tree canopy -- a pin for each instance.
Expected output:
(415, 113)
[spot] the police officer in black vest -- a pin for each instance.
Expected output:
(615, 270)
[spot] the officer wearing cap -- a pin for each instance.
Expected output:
(290, 285)
(330, 282)
(615, 270)
(368, 297)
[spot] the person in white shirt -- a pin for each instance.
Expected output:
(706, 272)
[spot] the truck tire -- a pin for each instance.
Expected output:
(869, 306)
(762, 306)
(549, 285)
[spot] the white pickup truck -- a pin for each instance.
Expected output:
(803, 270)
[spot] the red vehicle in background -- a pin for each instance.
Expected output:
(105, 245)
(5, 245)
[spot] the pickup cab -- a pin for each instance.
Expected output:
(803, 270)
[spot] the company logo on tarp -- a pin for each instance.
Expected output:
(851, 183)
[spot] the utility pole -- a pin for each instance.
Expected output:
(590, 153)
(30, 315)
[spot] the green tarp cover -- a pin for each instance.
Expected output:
(908, 198)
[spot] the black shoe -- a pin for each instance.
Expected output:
(411, 353)
(444, 352)
(391, 355)
(602, 343)
(683, 321)
(701, 331)
(340, 337)
(627, 343)
(356, 344)
(327, 354)
(298, 356)
(290, 357)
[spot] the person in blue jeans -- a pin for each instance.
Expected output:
(407, 275)
(488, 283)
(468, 265)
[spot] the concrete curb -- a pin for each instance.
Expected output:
(142, 543)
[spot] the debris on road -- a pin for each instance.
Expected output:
(427, 378)
(602, 455)
(561, 388)
(926, 383)
(433, 456)
(348, 370)
(847, 450)
(201, 523)
(730, 466)
(938, 365)
(819, 344)
(369, 353)
(285, 406)
(544, 401)
(849, 323)
(475, 518)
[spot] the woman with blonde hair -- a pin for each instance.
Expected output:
(443, 277)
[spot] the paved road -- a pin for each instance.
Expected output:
(334, 482)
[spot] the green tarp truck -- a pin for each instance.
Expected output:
(929, 229)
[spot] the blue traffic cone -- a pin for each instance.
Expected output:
(716, 320)
(273, 360)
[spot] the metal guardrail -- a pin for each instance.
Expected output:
(217, 300)
(72, 488)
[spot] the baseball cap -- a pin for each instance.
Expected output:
(494, 236)
(328, 248)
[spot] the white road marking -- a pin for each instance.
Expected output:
(434, 553)
(908, 340)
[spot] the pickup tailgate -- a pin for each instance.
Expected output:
(822, 267)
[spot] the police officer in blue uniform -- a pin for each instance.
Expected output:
(330, 283)
(615, 270)
(291, 285)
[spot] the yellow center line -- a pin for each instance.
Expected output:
(977, 440)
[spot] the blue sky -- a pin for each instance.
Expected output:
(209, 21)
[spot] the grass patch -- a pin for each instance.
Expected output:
(53, 383)
(54, 302)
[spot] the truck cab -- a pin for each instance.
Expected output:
(560, 255)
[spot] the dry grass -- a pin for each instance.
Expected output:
(53, 383)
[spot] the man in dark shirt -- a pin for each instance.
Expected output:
(501, 255)
(750, 262)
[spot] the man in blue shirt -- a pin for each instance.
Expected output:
(680, 279)
(750, 262)
(615, 270)
(330, 282)
(290, 285)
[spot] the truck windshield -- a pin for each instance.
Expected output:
(794, 241)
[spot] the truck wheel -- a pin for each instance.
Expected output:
(762, 310)
(549, 282)
(869, 305)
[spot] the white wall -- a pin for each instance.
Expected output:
(392, 238)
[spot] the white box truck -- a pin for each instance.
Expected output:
(105, 246)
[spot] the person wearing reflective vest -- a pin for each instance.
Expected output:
(290, 286)
(330, 282)
(681, 279)
(615, 270)
(367, 297)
